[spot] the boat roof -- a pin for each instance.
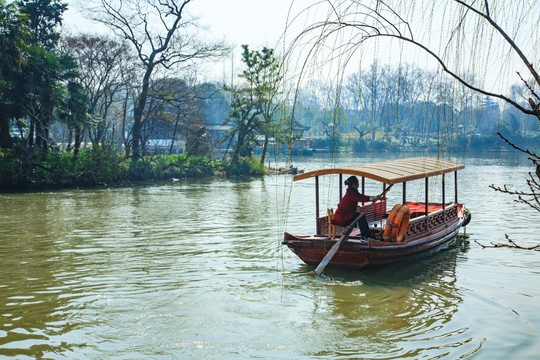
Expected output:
(392, 171)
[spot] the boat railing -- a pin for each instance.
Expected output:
(443, 217)
(376, 212)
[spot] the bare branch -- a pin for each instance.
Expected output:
(531, 90)
(527, 151)
(161, 38)
(511, 244)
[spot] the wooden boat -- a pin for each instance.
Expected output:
(431, 225)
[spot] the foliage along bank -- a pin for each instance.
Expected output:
(31, 170)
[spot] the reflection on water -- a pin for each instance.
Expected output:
(196, 270)
(401, 311)
(398, 311)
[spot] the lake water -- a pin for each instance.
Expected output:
(196, 270)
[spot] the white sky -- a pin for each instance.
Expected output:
(259, 23)
(256, 23)
(239, 21)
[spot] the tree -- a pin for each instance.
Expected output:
(73, 109)
(175, 109)
(45, 71)
(162, 37)
(42, 93)
(13, 36)
(265, 76)
(254, 104)
(474, 27)
(34, 78)
(189, 105)
(245, 116)
(44, 19)
(102, 61)
(48, 78)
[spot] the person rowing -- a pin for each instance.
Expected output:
(346, 210)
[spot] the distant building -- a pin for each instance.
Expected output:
(163, 146)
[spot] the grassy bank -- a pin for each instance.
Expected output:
(26, 170)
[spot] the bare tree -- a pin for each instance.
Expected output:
(101, 60)
(163, 37)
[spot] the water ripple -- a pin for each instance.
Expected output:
(197, 270)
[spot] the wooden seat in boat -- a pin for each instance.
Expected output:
(331, 226)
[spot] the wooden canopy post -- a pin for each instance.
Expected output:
(427, 197)
(404, 192)
(363, 188)
(455, 187)
(340, 186)
(317, 203)
(443, 193)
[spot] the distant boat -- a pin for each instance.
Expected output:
(425, 225)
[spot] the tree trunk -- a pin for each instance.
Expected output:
(238, 146)
(70, 136)
(174, 132)
(5, 138)
(265, 146)
(229, 145)
(79, 134)
(139, 110)
(41, 135)
(136, 138)
(31, 132)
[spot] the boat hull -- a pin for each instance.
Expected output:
(359, 253)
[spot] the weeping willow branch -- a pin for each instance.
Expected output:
(531, 90)
(363, 21)
(507, 38)
(380, 20)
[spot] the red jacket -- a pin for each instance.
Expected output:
(347, 206)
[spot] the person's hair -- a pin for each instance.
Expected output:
(351, 180)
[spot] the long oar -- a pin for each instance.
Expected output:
(330, 254)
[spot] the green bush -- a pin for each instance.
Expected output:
(378, 145)
(359, 146)
(99, 166)
(22, 168)
(25, 169)
(245, 166)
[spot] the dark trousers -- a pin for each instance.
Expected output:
(362, 225)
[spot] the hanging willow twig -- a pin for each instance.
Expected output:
(380, 20)
(532, 197)
(511, 244)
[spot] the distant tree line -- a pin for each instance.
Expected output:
(384, 101)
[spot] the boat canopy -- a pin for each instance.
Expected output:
(393, 171)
